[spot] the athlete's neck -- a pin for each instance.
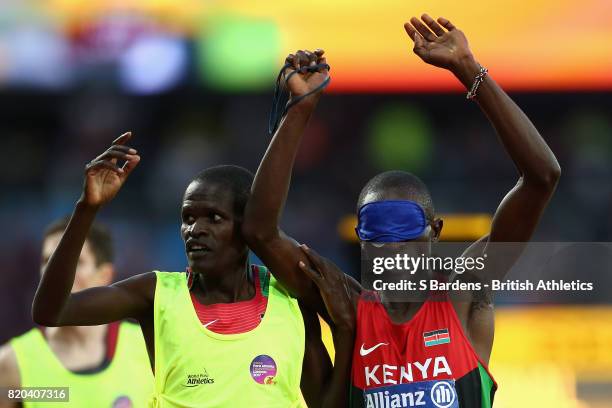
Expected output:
(78, 348)
(234, 285)
(401, 312)
(80, 335)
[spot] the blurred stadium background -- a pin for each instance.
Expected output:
(193, 81)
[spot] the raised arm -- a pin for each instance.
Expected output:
(441, 44)
(260, 227)
(54, 305)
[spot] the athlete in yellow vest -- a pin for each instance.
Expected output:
(103, 366)
(195, 363)
(261, 367)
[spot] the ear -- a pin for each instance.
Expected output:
(436, 228)
(105, 274)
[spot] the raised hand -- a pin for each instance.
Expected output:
(438, 43)
(303, 82)
(333, 286)
(103, 176)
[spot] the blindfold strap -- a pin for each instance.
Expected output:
(282, 98)
(391, 221)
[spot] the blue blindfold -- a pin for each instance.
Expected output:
(391, 221)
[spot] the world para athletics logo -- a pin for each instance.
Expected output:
(263, 369)
(122, 402)
(194, 380)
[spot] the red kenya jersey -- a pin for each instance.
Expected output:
(426, 362)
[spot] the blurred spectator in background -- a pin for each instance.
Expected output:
(80, 357)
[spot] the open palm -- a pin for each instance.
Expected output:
(438, 43)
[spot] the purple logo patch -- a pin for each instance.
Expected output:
(122, 402)
(263, 369)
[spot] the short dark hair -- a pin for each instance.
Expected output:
(237, 179)
(98, 238)
(400, 182)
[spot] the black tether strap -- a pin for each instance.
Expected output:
(279, 98)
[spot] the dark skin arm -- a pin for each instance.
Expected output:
(270, 187)
(283, 255)
(337, 295)
(316, 365)
(54, 304)
(441, 44)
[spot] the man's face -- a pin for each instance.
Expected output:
(415, 247)
(211, 232)
(88, 274)
(434, 227)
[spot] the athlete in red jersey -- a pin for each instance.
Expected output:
(427, 361)
(432, 352)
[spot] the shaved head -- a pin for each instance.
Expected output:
(237, 180)
(397, 185)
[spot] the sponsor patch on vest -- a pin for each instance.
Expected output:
(122, 402)
(436, 337)
(194, 380)
(263, 369)
(424, 394)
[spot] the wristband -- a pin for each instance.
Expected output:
(480, 77)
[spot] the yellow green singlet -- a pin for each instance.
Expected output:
(126, 382)
(195, 367)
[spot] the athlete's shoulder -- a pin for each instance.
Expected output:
(354, 288)
(140, 286)
(266, 279)
(369, 296)
(165, 274)
(164, 278)
(9, 368)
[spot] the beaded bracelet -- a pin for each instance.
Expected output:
(480, 77)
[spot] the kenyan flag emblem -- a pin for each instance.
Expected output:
(436, 337)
